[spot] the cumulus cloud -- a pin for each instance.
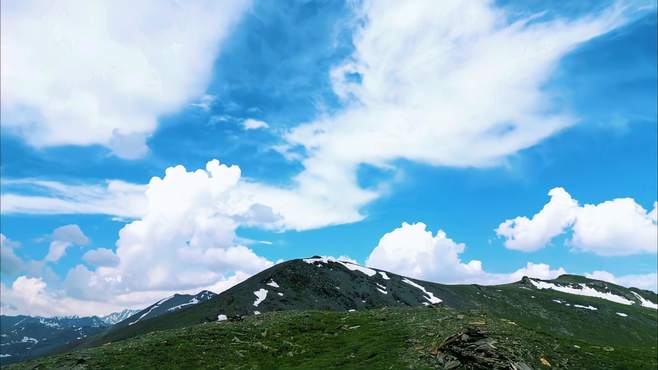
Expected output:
(411, 250)
(414, 251)
(253, 124)
(524, 234)
(101, 257)
(616, 227)
(105, 74)
(64, 237)
(186, 240)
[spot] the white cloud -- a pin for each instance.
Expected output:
(31, 296)
(528, 235)
(113, 197)
(64, 237)
(647, 281)
(307, 206)
(205, 103)
(101, 257)
(253, 124)
(185, 241)
(616, 227)
(411, 250)
(102, 72)
(70, 234)
(459, 84)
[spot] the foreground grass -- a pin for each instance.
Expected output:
(374, 339)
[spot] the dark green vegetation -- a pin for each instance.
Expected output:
(397, 323)
(388, 338)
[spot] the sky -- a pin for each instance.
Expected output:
(157, 147)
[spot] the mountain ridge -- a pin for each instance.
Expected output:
(569, 306)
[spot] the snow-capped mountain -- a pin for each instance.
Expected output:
(569, 306)
(326, 284)
(117, 317)
(166, 305)
(23, 337)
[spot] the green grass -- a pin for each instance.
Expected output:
(390, 338)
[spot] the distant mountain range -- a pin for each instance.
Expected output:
(570, 307)
(24, 337)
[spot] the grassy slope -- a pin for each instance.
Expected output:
(380, 338)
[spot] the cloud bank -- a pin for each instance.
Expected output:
(412, 250)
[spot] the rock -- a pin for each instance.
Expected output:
(472, 348)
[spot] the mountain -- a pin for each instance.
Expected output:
(117, 317)
(613, 324)
(24, 337)
(166, 305)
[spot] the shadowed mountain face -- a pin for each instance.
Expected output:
(570, 307)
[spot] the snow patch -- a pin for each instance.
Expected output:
(588, 307)
(256, 312)
(273, 284)
(49, 323)
(2, 355)
(348, 265)
(192, 301)
(280, 294)
(260, 294)
(29, 340)
(384, 276)
(156, 305)
(645, 302)
(557, 301)
(622, 314)
(428, 295)
(222, 318)
(584, 290)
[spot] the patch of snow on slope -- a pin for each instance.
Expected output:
(192, 301)
(221, 318)
(584, 290)
(273, 284)
(348, 265)
(622, 314)
(588, 307)
(256, 312)
(384, 276)
(354, 267)
(428, 295)
(313, 260)
(4, 355)
(49, 323)
(281, 294)
(29, 340)
(645, 302)
(260, 294)
(156, 305)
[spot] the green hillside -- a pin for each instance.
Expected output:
(388, 338)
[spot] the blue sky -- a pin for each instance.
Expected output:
(366, 125)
